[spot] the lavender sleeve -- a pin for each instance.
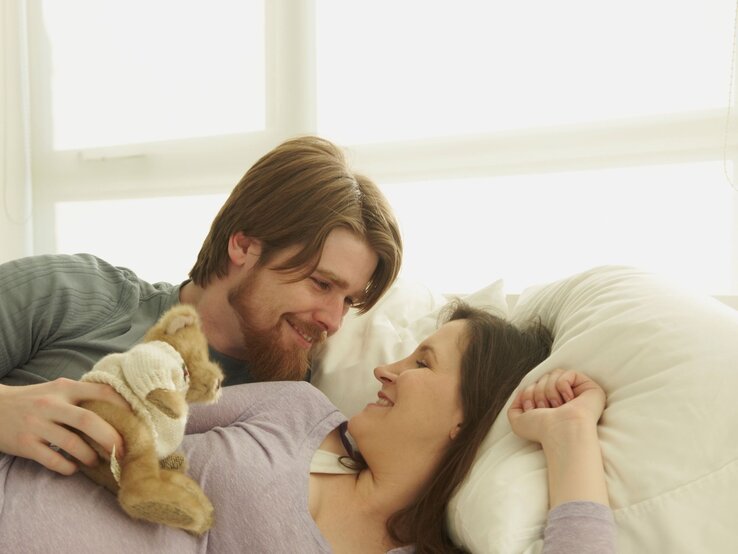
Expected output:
(579, 527)
(235, 402)
(251, 455)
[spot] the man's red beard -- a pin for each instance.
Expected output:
(267, 359)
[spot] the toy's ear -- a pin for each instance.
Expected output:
(174, 320)
(179, 321)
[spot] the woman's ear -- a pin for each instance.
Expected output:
(243, 250)
(455, 431)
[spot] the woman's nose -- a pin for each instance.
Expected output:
(384, 374)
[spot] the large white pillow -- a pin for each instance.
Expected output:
(668, 360)
(391, 330)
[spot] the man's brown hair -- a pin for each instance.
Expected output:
(297, 194)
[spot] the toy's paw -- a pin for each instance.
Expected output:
(174, 500)
(174, 461)
(170, 403)
(100, 474)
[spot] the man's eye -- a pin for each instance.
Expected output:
(421, 363)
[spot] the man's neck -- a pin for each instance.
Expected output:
(219, 321)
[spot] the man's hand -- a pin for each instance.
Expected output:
(35, 418)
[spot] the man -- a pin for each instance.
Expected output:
(299, 240)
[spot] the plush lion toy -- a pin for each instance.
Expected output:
(158, 378)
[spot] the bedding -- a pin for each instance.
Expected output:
(668, 360)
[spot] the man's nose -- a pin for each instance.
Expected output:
(330, 315)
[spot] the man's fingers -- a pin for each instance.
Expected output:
(83, 420)
(45, 455)
(94, 427)
(77, 392)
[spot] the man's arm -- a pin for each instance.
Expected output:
(34, 312)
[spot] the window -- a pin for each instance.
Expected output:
(530, 229)
(142, 71)
(417, 69)
(524, 140)
(158, 238)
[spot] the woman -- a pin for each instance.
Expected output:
(253, 450)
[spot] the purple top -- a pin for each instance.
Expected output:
(251, 453)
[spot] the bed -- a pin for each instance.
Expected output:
(668, 360)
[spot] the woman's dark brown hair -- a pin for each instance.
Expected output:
(497, 357)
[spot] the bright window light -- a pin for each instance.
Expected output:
(158, 238)
(391, 70)
(143, 70)
(461, 235)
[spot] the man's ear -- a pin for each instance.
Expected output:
(243, 250)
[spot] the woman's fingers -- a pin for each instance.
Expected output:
(539, 392)
(551, 390)
(528, 397)
(564, 385)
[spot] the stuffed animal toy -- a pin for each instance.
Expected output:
(159, 378)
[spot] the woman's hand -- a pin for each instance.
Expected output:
(561, 411)
(557, 403)
(35, 417)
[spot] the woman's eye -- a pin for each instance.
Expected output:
(322, 285)
(350, 302)
(421, 363)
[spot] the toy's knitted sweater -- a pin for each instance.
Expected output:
(139, 371)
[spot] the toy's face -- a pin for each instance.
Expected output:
(180, 328)
(205, 380)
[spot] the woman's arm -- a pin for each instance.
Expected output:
(560, 411)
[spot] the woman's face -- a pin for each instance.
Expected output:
(420, 399)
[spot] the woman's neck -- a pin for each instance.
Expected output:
(353, 510)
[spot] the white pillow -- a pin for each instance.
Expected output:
(668, 360)
(391, 330)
